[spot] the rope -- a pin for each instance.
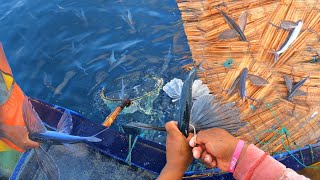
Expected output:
(128, 159)
(284, 131)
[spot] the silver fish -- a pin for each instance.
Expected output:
(38, 132)
(206, 112)
(294, 90)
(240, 82)
(295, 28)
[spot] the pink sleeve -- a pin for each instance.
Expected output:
(268, 168)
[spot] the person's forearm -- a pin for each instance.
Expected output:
(256, 164)
(172, 173)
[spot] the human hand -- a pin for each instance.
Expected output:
(18, 135)
(178, 152)
(215, 148)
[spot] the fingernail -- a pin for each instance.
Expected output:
(195, 154)
(207, 159)
(191, 142)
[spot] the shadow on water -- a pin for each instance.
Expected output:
(65, 51)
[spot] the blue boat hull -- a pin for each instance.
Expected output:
(146, 154)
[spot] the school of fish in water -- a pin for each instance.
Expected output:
(198, 109)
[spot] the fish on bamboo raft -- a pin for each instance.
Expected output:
(240, 82)
(236, 30)
(294, 28)
(294, 90)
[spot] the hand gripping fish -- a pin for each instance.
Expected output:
(240, 82)
(204, 113)
(295, 28)
(293, 90)
(236, 30)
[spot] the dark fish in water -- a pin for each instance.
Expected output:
(68, 76)
(128, 19)
(116, 62)
(240, 82)
(293, 90)
(38, 132)
(167, 59)
(295, 28)
(206, 112)
(236, 30)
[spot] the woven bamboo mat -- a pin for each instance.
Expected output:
(273, 123)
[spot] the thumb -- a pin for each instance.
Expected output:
(172, 128)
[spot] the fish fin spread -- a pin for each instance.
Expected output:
(173, 89)
(257, 80)
(47, 164)
(199, 89)
(301, 93)
(31, 118)
(228, 34)
(145, 126)
(121, 95)
(289, 83)
(235, 84)
(70, 148)
(65, 124)
(287, 25)
(207, 113)
(243, 20)
(112, 59)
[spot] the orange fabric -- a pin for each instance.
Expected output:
(11, 111)
(4, 65)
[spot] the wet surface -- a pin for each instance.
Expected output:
(64, 52)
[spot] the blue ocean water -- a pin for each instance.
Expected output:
(59, 49)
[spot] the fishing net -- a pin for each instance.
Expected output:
(274, 123)
(142, 90)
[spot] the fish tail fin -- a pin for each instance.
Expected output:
(200, 66)
(93, 139)
(276, 56)
(47, 164)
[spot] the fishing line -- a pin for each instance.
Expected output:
(195, 134)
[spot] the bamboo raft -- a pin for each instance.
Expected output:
(273, 123)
